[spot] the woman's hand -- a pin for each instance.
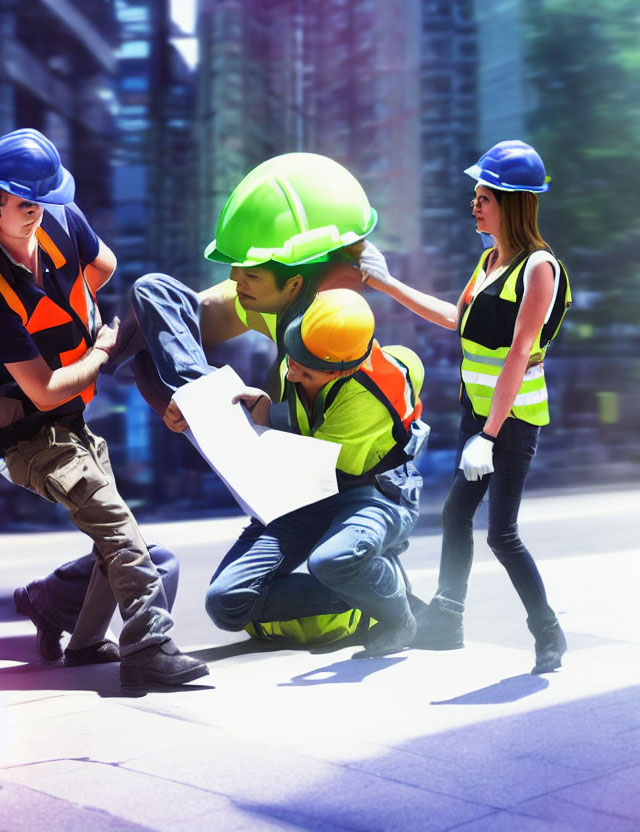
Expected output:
(373, 266)
(257, 402)
(174, 419)
(477, 457)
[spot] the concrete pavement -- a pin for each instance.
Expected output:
(276, 740)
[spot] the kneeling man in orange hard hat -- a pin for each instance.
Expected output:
(341, 386)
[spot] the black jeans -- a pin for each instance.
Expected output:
(513, 452)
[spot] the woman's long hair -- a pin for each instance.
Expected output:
(519, 222)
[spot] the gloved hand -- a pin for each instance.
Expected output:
(373, 265)
(477, 458)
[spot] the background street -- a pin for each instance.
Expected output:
(287, 739)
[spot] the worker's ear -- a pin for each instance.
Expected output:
(294, 286)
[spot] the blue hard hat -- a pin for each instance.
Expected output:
(30, 168)
(511, 166)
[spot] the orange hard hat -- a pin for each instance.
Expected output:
(334, 333)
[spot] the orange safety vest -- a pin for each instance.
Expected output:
(392, 386)
(64, 329)
(386, 378)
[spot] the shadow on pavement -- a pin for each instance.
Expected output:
(34, 673)
(236, 648)
(566, 767)
(8, 608)
(346, 672)
(254, 645)
(507, 690)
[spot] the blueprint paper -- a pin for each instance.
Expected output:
(269, 472)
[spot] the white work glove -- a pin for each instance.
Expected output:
(373, 265)
(477, 458)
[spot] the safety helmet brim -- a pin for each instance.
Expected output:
(30, 168)
(296, 348)
(312, 246)
(294, 208)
(491, 180)
(62, 194)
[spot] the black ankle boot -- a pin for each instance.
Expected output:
(439, 624)
(391, 637)
(551, 645)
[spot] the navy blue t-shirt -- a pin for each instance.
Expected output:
(15, 342)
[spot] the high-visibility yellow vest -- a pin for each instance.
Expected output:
(311, 629)
(486, 333)
(377, 406)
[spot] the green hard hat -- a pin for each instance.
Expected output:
(294, 208)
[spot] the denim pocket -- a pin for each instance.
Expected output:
(402, 485)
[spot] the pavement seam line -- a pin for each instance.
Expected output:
(83, 807)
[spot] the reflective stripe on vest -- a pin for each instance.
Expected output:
(481, 365)
(48, 315)
(391, 377)
(82, 298)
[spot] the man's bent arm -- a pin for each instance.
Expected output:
(49, 388)
(99, 271)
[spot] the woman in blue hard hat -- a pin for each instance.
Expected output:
(510, 310)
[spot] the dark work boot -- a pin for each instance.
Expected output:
(160, 664)
(383, 639)
(551, 645)
(439, 624)
(99, 653)
(395, 630)
(47, 635)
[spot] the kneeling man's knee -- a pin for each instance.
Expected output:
(231, 609)
(341, 557)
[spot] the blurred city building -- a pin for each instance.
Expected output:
(57, 74)
(154, 158)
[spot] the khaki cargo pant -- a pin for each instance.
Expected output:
(73, 469)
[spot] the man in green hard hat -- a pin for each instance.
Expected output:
(291, 226)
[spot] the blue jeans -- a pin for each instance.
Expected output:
(168, 314)
(58, 597)
(513, 451)
(350, 542)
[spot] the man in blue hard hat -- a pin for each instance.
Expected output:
(52, 347)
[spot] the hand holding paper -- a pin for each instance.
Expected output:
(257, 403)
(269, 472)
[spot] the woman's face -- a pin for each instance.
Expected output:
(486, 210)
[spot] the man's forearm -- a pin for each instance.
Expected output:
(66, 382)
